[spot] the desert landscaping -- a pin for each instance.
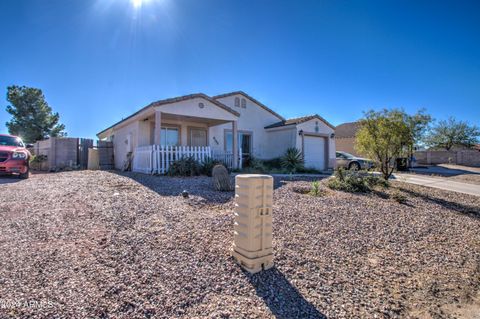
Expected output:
(124, 245)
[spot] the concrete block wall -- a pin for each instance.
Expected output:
(66, 151)
(460, 157)
(60, 151)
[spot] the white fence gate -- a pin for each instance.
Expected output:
(156, 159)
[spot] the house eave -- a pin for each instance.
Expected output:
(171, 101)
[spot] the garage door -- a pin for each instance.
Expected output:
(314, 152)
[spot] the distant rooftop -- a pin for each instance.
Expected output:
(346, 130)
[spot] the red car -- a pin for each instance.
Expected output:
(14, 157)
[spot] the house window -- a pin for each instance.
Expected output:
(237, 102)
(169, 136)
(244, 142)
(198, 136)
(244, 103)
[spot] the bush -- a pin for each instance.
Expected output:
(373, 181)
(273, 164)
(316, 190)
(207, 166)
(257, 165)
(186, 166)
(355, 181)
(292, 161)
(350, 181)
(308, 170)
(38, 158)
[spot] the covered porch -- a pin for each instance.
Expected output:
(167, 135)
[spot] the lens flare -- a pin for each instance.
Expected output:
(137, 3)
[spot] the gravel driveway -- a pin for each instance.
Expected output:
(106, 245)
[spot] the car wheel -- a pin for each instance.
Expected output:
(25, 175)
(354, 166)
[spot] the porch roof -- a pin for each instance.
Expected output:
(170, 101)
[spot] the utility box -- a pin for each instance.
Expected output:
(252, 244)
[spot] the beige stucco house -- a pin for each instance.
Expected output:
(222, 124)
(345, 137)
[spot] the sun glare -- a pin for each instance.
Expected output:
(137, 3)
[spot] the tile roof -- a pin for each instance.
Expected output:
(174, 100)
(266, 108)
(298, 120)
(346, 130)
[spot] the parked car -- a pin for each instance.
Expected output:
(352, 162)
(14, 157)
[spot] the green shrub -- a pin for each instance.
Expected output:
(292, 161)
(374, 180)
(207, 166)
(340, 174)
(38, 158)
(186, 166)
(316, 190)
(257, 165)
(273, 164)
(278, 171)
(308, 170)
(351, 181)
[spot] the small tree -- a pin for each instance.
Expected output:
(418, 125)
(32, 117)
(382, 136)
(447, 134)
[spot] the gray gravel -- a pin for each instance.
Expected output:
(107, 245)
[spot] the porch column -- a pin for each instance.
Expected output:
(235, 143)
(158, 127)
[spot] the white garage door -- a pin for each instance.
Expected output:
(314, 151)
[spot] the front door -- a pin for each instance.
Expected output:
(198, 136)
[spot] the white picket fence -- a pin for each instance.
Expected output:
(225, 157)
(156, 159)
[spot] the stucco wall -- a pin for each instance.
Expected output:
(279, 140)
(309, 127)
(120, 142)
(66, 150)
(253, 118)
(60, 151)
(266, 144)
(191, 108)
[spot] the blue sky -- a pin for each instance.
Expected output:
(100, 60)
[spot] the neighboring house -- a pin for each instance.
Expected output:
(345, 137)
(198, 120)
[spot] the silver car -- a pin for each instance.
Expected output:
(352, 162)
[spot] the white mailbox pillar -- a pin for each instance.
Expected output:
(252, 245)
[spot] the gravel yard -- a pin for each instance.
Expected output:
(107, 245)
